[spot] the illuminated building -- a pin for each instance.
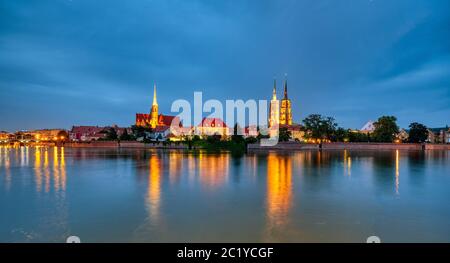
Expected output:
(280, 116)
(93, 133)
(48, 135)
(439, 135)
(274, 107)
(212, 126)
(154, 119)
(402, 136)
(154, 110)
(285, 108)
(5, 136)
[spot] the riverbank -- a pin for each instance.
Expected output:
(282, 146)
(125, 144)
(295, 146)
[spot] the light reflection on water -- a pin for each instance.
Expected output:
(279, 191)
(108, 195)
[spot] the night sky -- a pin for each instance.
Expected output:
(85, 62)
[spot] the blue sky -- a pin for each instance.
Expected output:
(65, 63)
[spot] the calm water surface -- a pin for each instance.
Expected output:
(108, 195)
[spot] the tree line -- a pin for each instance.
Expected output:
(322, 128)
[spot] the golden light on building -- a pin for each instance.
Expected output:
(154, 119)
(285, 108)
(154, 110)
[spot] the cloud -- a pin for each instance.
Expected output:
(97, 61)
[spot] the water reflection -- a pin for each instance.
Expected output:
(37, 169)
(182, 196)
(175, 166)
(46, 173)
(397, 171)
(46, 167)
(154, 188)
(213, 170)
(347, 163)
(279, 191)
(5, 161)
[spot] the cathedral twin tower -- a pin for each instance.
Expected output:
(280, 114)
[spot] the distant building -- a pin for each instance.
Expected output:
(402, 136)
(212, 126)
(369, 127)
(281, 115)
(432, 138)
(47, 135)
(87, 133)
(93, 133)
(250, 131)
(285, 108)
(439, 135)
(6, 137)
(160, 133)
(274, 107)
(153, 119)
(296, 130)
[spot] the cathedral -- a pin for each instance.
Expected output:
(154, 120)
(280, 113)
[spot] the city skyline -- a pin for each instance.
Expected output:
(62, 65)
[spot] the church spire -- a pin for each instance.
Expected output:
(274, 93)
(154, 95)
(285, 87)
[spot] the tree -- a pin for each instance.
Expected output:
(354, 136)
(263, 133)
(125, 136)
(111, 134)
(340, 135)
(417, 132)
(213, 139)
(251, 139)
(63, 136)
(237, 137)
(319, 127)
(140, 131)
(284, 135)
(385, 129)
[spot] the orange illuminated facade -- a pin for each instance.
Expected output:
(153, 119)
(280, 113)
(285, 108)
